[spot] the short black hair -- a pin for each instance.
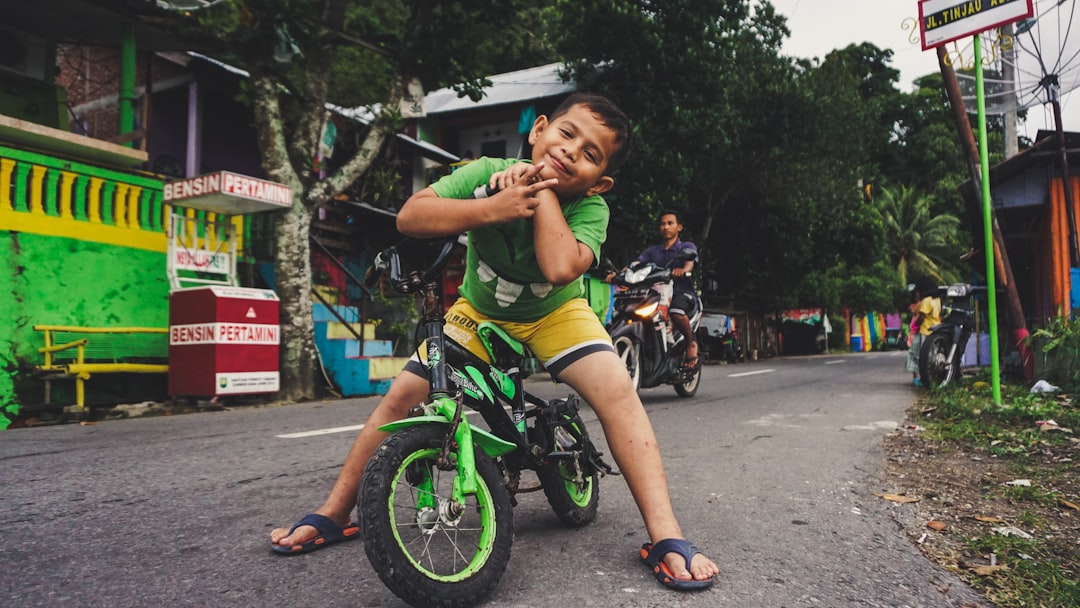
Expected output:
(610, 115)
(663, 212)
(926, 286)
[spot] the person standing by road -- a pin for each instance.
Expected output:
(925, 313)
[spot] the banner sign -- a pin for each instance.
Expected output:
(228, 193)
(942, 21)
(200, 260)
(224, 333)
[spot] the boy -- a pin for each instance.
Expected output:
(529, 245)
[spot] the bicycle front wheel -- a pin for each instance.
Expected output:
(426, 549)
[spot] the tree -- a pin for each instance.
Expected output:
(304, 54)
(920, 242)
(692, 83)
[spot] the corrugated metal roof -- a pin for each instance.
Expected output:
(511, 87)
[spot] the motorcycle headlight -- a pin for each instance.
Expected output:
(637, 275)
(647, 310)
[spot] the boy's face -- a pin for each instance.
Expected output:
(669, 227)
(575, 149)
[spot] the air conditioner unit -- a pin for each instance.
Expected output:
(22, 53)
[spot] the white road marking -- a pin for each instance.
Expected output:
(336, 429)
(753, 373)
(835, 361)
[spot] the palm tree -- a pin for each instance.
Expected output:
(920, 243)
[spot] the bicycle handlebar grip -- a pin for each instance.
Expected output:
(484, 191)
(375, 271)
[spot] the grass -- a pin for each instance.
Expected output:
(1042, 571)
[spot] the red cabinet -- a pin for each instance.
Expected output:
(223, 341)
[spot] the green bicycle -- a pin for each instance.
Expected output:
(435, 503)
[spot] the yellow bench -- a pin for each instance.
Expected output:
(79, 352)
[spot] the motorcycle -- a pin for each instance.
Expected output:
(652, 350)
(941, 352)
(731, 351)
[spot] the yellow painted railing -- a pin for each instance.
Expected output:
(78, 352)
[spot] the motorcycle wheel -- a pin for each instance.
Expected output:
(573, 498)
(630, 353)
(935, 369)
(689, 381)
(422, 550)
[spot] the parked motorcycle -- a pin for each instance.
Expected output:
(941, 352)
(730, 348)
(652, 350)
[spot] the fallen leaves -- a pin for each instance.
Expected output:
(988, 570)
(900, 498)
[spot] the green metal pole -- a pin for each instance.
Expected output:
(988, 235)
(127, 82)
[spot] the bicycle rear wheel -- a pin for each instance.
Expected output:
(572, 491)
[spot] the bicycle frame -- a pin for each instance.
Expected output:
(482, 386)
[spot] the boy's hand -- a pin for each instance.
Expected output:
(519, 185)
(519, 174)
(509, 176)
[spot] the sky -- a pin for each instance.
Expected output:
(820, 26)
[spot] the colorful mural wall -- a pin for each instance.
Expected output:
(79, 245)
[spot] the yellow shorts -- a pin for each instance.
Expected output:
(569, 333)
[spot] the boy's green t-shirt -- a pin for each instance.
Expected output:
(502, 277)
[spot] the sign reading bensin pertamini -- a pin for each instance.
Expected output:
(228, 193)
(942, 21)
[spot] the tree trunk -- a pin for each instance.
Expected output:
(293, 272)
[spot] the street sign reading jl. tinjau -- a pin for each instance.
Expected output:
(942, 21)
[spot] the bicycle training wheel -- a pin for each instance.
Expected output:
(424, 548)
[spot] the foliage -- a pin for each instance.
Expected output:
(707, 67)
(920, 242)
(771, 196)
(872, 287)
(1058, 344)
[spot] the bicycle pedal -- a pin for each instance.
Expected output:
(561, 455)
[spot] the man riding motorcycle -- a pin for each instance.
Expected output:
(684, 301)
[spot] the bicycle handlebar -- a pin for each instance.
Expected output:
(390, 259)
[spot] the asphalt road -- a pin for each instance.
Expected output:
(771, 466)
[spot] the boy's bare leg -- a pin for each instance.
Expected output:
(406, 391)
(602, 381)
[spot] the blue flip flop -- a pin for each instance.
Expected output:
(329, 533)
(653, 556)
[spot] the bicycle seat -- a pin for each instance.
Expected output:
(504, 351)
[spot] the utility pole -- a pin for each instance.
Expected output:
(1008, 75)
(1001, 255)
